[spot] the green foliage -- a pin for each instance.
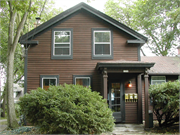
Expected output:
(71, 109)
(165, 98)
(159, 21)
(120, 10)
(17, 110)
(47, 13)
(156, 19)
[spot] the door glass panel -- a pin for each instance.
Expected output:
(116, 108)
(117, 92)
(115, 97)
(116, 101)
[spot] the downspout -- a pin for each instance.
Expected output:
(25, 70)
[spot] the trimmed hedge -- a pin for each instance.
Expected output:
(67, 109)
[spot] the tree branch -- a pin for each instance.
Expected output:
(11, 25)
(143, 52)
(43, 7)
(20, 27)
(18, 79)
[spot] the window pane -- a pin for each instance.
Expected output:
(46, 82)
(106, 49)
(98, 49)
(62, 36)
(116, 108)
(115, 101)
(102, 49)
(52, 82)
(83, 81)
(66, 51)
(158, 82)
(61, 51)
(158, 78)
(62, 45)
(102, 36)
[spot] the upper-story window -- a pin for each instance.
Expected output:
(102, 45)
(62, 44)
(158, 79)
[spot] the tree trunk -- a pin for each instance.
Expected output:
(12, 122)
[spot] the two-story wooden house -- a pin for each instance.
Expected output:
(84, 46)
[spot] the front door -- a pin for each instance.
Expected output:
(115, 100)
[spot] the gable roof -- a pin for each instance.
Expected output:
(48, 24)
(163, 65)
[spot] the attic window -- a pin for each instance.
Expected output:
(102, 44)
(61, 44)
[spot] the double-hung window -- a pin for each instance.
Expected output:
(157, 79)
(61, 44)
(102, 47)
(84, 80)
(47, 80)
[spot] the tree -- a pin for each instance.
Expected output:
(46, 12)
(165, 98)
(120, 10)
(157, 19)
(13, 36)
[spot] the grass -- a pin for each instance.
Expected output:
(3, 123)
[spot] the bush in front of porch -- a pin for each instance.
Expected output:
(165, 97)
(67, 109)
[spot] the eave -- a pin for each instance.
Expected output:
(30, 42)
(124, 64)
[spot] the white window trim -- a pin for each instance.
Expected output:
(152, 81)
(48, 78)
(69, 43)
(84, 78)
(101, 42)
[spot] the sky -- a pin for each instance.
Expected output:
(66, 4)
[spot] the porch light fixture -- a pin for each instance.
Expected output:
(129, 84)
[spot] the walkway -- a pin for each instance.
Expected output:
(119, 129)
(3, 127)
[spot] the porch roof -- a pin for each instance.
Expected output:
(124, 64)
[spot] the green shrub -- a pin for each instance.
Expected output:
(17, 110)
(165, 98)
(69, 109)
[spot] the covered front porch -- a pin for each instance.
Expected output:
(122, 87)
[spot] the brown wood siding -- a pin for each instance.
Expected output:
(39, 57)
(130, 112)
(131, 107)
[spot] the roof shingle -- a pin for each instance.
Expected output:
(163, 65)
